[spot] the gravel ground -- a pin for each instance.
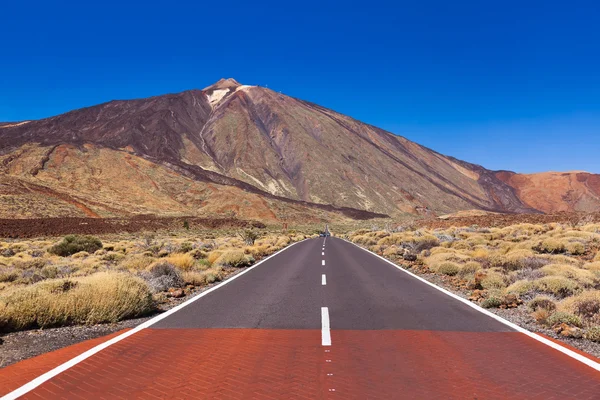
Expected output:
(17, 346)
(519, 316)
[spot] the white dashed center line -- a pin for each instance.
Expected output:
(323, 262)
(322, 253)
(325, 333)
(323, 280)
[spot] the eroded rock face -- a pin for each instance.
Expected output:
(256, 140)
(552, 192)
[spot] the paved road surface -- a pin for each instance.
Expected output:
(264, 335)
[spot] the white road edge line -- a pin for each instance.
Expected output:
(74, 361)
(590, 363)
(323, 280)
(325, 332)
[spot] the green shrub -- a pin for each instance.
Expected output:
(563, 317)
(492, 302)
(72, 244)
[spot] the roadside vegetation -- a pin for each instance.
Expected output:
(79, 280)
(550, 270)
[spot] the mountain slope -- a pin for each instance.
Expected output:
(552, 192)
(260, 142)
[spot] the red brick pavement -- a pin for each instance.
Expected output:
(408, 364)
(292, 364)
(16, 375)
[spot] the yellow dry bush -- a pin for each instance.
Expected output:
(203, 277)
(553, 246)
(493, 280)
(521, 287)
(234, 258)
(594, 228)
(470, 267)
(214, 256)
(282, 241)
(434, 260)
(448, 268)
(394, 238)
(99, 298)
(512, 261)
(137, 262)
(583, 276)
(392, 251)
(585, 304)
(81, 254)
(557, 285)
(480, 252)
(575, 248)
(597, 256)
(365, 240)
(560, 259)
(183, 261)
(258, 251)
(593, 266)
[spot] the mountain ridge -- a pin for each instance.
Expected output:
(280, 147)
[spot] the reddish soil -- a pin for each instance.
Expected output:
(28, 228)
(502, 220)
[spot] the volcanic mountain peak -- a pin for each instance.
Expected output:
(223, 83)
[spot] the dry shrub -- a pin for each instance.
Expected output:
(586, 305)
(480, 252)
(542, 302)
(557, 285)
(593, 266)
(581, 275)
(541, 315)
(597, 256)
(8, 274)
(575, 248)
(470, 267)
(214, 256)
(137, 262)
(234, 258)
(448, 268)
(163, 276)
(552, 246)
(99, 298)
(258, 251)
(592, 333)
(203, 277)
(493, 280)
(392, 251)
(511, 261)
(183, 261)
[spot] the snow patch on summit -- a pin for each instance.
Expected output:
(216, 96)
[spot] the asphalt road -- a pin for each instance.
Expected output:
(326, 319)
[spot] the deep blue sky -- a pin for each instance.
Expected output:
(505, 84)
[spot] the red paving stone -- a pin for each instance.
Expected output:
(16, 375)
(461, 365)
(292, 364)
